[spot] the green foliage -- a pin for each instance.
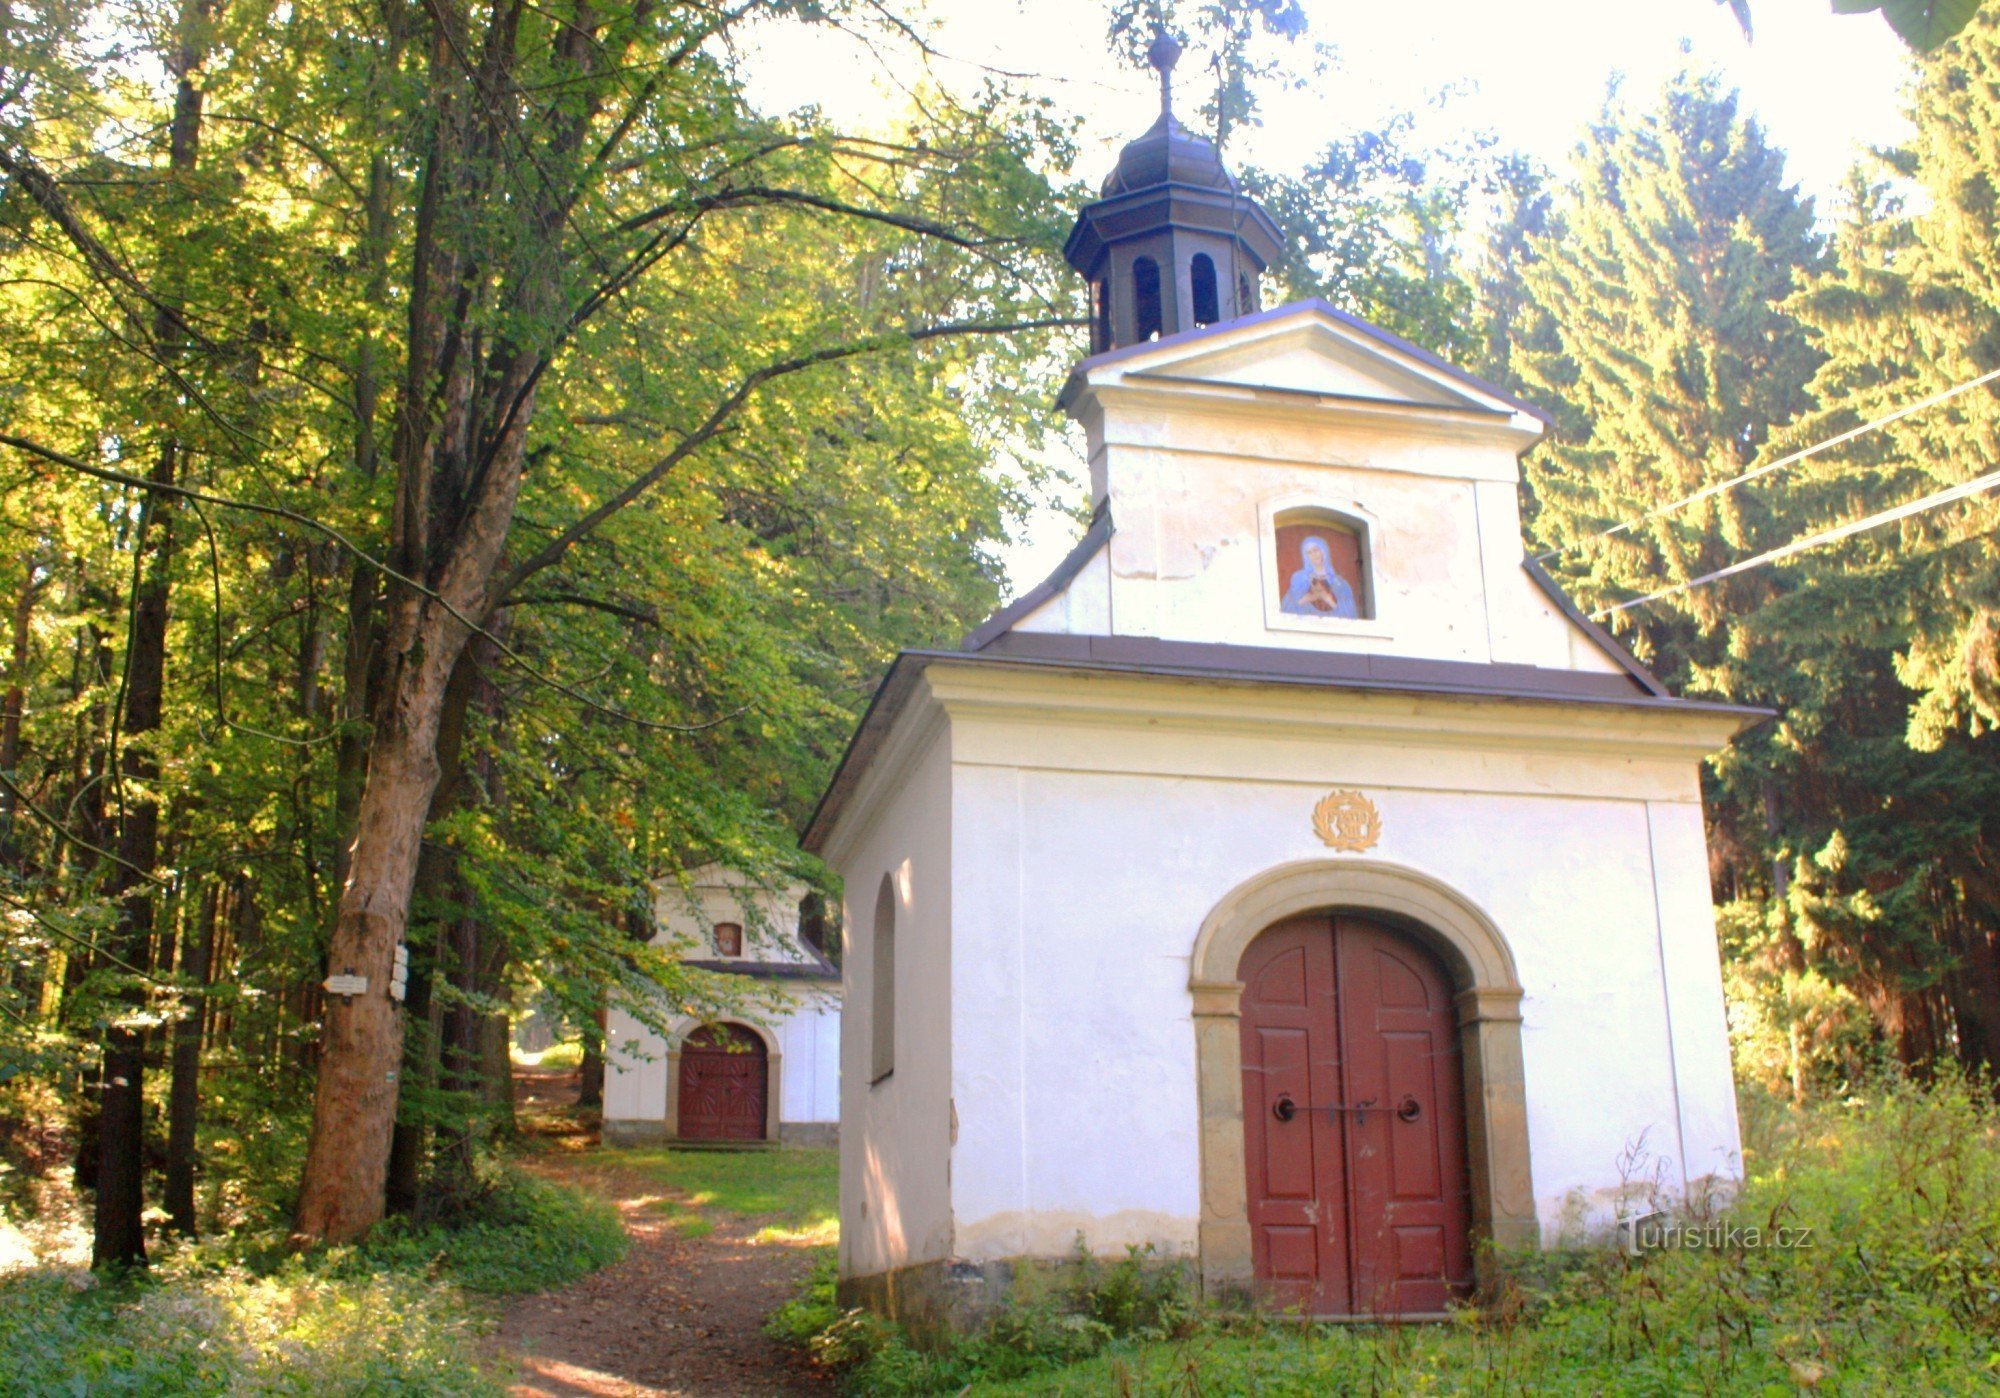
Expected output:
(1376, 225)
(245, 1315)
(813, 1311)
(563, 1055)
(231, 1332)
(520, 1234)
(1667, 350)
(1897, 1291)
(1066, 1315)
(1688, 321)
(677, 678)
(1923, 24)
(1873, 799)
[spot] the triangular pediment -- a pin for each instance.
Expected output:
(1311, 349)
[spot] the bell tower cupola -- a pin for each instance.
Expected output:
(1172, 243)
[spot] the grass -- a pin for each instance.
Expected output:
(795, 1194)
(392, 1315)
(1898, 1292)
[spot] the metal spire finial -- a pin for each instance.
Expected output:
(1164, 53)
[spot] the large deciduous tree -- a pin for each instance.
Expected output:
(491, 324)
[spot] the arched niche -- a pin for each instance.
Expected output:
(1487, 999)
(1309, 542)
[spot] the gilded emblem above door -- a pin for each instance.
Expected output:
(1347, 820)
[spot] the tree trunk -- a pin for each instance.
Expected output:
(354, 1104)
(496, 1033)
(590, 1087)
(12, 705)
(119, 1236)
(435, 890)
(184, 1091)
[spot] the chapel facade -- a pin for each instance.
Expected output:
(1295, 881)
(765, 1068)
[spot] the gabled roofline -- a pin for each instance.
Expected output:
(1002, 621)
(821, 970)
(1606, 642)
(1257, 665)
(1079, 376)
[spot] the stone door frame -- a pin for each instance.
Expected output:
(772, 1077)
(1488, 1002)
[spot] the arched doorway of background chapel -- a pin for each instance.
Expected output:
(724, 1085)
(1359, 1191)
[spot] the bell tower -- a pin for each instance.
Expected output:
(1171, 243)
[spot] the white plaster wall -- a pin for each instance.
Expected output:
(635, 1070)
(1081, 609)
(686, 917)
(1089, 854)
(809, 1038)
(1189, 443)
(895, 1135)
(1187, 561)
(808, 1035)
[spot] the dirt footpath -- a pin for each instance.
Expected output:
(679, 1315)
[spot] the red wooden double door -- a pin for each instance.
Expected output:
(724, 1086)
(1353, 1113)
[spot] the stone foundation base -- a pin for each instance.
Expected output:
(935, 1300)
(654, 1133)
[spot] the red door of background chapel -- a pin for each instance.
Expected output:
(1353, 1114)
(723, 1086)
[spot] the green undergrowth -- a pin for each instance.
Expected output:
(523, 1234)
(393, 1315)
(227, 1331)
(1896, 1289)
(1071, 1315)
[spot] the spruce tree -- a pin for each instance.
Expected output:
(1885, 643)
(1663, 280)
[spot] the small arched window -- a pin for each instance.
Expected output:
(1100, 317)
(729, 938)
(1322, 565)
(1146, 299)
(1246, 293)
(882, 983)
(1207, 295)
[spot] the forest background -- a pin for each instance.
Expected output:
(461, 465)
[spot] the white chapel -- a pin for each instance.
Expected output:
(1295, 881)
(767, 1068)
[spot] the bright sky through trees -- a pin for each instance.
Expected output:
(1825, 87)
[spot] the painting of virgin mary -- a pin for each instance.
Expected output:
(1316, 587)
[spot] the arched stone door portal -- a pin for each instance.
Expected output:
(716, 1074)
(724, 1085)
(1486, 998)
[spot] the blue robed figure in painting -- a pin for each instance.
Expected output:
(1316, 589)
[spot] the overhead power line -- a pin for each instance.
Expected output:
(1826, 536)
(1720, 487)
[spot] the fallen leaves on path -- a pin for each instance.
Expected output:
(680, 1315)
